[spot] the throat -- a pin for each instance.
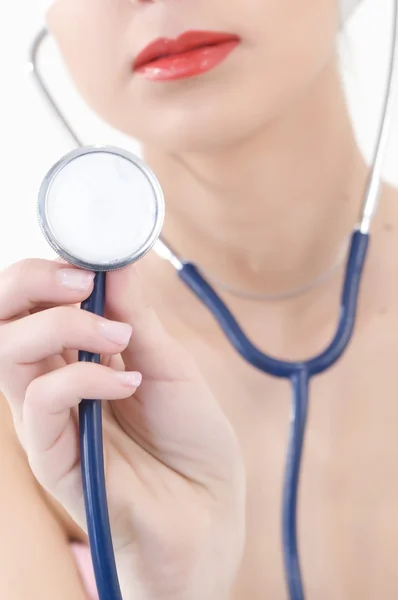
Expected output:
(271, 214)
(251, 249)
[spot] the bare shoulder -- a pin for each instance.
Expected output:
(379, 292)
(383, 255)
(19, 474)
(35, 557)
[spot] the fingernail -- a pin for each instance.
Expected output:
(132, 379)
(75, 279)
(118, 333)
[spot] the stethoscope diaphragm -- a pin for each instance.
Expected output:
(101, 208)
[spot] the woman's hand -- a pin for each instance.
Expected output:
(174, 473)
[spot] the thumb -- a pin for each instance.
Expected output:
(152, 351)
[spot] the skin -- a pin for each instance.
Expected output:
(228, 148)
(27, 566)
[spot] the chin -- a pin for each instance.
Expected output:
(196, 137)
(193, 126)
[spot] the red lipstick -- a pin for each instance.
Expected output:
(192, 54)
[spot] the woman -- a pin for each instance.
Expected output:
(252, 143)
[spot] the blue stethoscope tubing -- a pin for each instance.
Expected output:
(93, 471)
(299, 375)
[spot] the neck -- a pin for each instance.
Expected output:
(273, 211)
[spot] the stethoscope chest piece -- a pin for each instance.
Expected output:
(101, 208)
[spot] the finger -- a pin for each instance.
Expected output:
(27, 342)
(36, 337)
(115, 361)
(31, 282)
(49, 424)
(48, 306)
(152, 351)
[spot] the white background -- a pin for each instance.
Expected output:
(31, 140)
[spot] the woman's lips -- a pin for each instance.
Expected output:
(192, 54)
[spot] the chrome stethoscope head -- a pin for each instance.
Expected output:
(101, 208)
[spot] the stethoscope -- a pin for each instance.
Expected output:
(111, 188)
